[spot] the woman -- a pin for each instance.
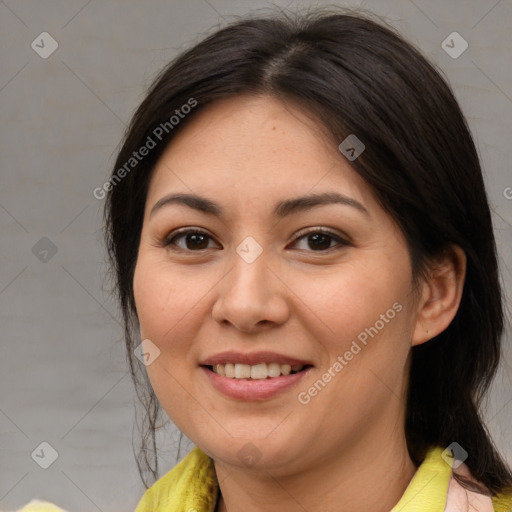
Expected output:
(300, 235)
(306, 250)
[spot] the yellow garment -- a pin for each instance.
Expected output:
(40, 506)
(192, 485)
(189, 486)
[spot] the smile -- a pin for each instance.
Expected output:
(255, 372)
(256, 381)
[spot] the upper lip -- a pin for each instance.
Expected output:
(252, 359)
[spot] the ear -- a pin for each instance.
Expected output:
(440, 294)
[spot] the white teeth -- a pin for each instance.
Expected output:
(257, 371)
(242, 371)
(229, 370)
(274, 370)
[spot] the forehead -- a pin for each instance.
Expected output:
(254, 146)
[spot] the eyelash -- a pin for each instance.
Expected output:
(169, 240)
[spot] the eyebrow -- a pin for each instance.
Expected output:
(282, 209)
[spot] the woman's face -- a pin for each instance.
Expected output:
(273, 280)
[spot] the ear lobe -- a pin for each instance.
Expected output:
(441, 294)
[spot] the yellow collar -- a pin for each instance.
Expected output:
(192, 485)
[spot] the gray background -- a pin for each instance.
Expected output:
(63, 373)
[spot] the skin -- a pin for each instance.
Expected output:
(247, 154)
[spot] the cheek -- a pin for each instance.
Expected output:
(362, 308)
(171, 306)
(347, 300)
(149, 301)
(161, 298)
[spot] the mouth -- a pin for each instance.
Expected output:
(258, 376)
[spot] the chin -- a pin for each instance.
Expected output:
(254, 453)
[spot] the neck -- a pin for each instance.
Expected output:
(368, 476)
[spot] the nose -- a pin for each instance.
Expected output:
(251, 297)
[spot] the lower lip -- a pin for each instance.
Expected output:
(258, 389)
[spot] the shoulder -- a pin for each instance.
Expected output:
(478, 496)
(503, 501)
(40, 506)
(435, 487)
(191, 484)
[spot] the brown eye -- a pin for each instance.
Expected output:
(319, 240)
(194, 240)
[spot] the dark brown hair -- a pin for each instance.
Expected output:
(355, 76)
